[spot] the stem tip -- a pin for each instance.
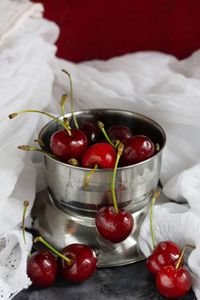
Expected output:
(73, 162)
(37, 239)
(26, 203)
(120, 148)
(25, 148)
(13, 115)
(100, 124)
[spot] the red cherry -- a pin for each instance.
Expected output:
(136, 149)
(101, 154)
(113, 226)
(166, 253)
(119, 132)
(84, 263)
(66, 146)
(42, 269)
(91, 130)
(173, 283)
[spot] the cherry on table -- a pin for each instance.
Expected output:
(165, 253)
(84, 263)
(136, 149)
(67, 145)
(173, 283)
(77, 261)
(42, 268)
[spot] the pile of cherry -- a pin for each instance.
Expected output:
(90, 146)
(87, 145)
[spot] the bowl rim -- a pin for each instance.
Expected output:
(103, 110)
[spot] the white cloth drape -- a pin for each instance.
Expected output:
(152, 83)
(26, 78)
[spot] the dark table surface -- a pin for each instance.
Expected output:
(131, 282)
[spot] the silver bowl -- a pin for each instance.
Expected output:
(72, 208)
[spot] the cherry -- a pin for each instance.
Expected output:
(119, 132)
(113, 224)
(137, 149)
(78, 261)
(91, 130)
(42, 268)
(101, 154)
(84, 263)
(173, 283)
(67, 145)
(42, 265)
(166, 253)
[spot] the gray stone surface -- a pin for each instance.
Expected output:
(131, 282)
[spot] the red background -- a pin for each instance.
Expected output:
(105, 28)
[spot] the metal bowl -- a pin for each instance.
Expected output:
(134, 186)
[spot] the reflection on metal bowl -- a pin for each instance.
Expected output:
(71, 209)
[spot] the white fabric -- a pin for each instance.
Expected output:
(155, 84)
(26, 48)
(168, 91)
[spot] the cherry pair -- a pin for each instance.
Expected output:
(172, 279)
(75, 263)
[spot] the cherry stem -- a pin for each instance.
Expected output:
(62, 104)
(157, 147)
(180, 258)
(193, 247)
(26, 204)
(117, 142)
(40, 142)
(40, 239)
(73, 162)
(87, 177)
(154, 198)
(119, 153)
(101, 127)
(15, 114)
(72, 98)
(32, 148)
